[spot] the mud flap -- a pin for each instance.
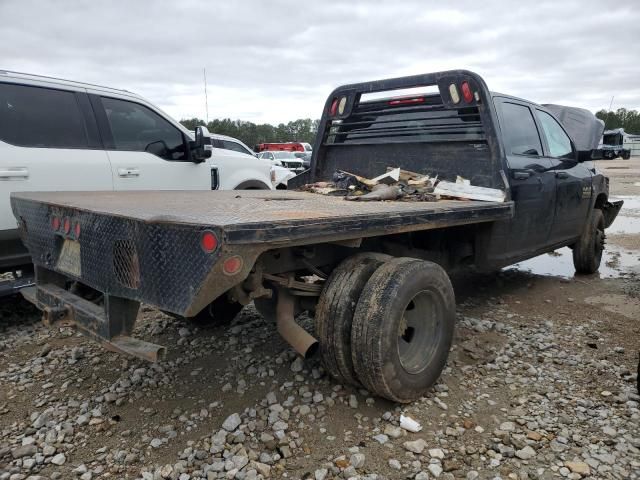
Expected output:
(610, 211)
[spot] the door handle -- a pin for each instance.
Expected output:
(522, 174)
(128, 172)
(562, 175)
(19, 173)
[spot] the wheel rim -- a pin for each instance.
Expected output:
(419, 332)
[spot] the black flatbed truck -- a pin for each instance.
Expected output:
(373, 273)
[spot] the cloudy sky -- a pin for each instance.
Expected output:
(275, 61)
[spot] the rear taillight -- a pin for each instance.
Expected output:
(76, 230)
(334, 107)
(55, 223)
(406, 101)
(466, 92)
(66, 225)
(232, 265)
(209, 241)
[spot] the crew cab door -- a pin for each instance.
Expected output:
(532, 185)
(146, 150)
(48, 142)
(573, 180)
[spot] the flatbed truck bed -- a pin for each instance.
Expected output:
(274, 217)
(374, 274)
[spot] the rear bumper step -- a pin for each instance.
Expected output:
(110, 324)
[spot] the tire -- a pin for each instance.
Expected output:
(587, 252)
(335, 309)
(219, 312)
(416, 296)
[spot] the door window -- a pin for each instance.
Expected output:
(519, 130)
(40, 117)
(557, 140)
(137, 128)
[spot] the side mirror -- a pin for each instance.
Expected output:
(587, 155)
(201, 148)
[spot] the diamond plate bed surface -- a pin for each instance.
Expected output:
(242, 208)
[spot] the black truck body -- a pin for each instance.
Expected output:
(155, 247)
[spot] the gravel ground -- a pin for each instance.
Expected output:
(541, 383)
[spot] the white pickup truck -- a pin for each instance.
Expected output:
(64, 135)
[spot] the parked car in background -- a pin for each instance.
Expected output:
(612, 145)
(279, 175)
(64, 135)
(305, 157)
(236, 167)
(230, 143)
(284, 146)
(284, 159)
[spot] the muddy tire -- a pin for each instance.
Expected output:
(335, 309)
(587, 252)
(403, 328)
(219, 312)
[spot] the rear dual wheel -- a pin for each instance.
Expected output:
(386, 323)
(335, 309)
(403, 329)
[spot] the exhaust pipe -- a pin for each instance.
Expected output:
(294, 334)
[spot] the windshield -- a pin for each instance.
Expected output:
(283, 155)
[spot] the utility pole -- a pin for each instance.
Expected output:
(206, 99)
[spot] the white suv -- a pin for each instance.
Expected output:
(63, 135)
(279, 175)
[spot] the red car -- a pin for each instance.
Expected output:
(288, 146)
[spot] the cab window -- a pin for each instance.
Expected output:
(519, 130)
(40, 117)
(137, 128)
(557, 140)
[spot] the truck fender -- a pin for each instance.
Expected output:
(252, 185)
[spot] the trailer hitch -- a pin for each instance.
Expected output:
(51, 315)
(110, 324)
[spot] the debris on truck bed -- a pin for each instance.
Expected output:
(404, 185)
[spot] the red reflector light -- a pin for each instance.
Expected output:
(466, 92)
(67, 225)
(209, 242)
(232, 265)
(55, 223)
(76, 229)
(407, 101)
(334, 107)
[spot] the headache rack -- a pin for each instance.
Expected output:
(445, 127)
(412, 118)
